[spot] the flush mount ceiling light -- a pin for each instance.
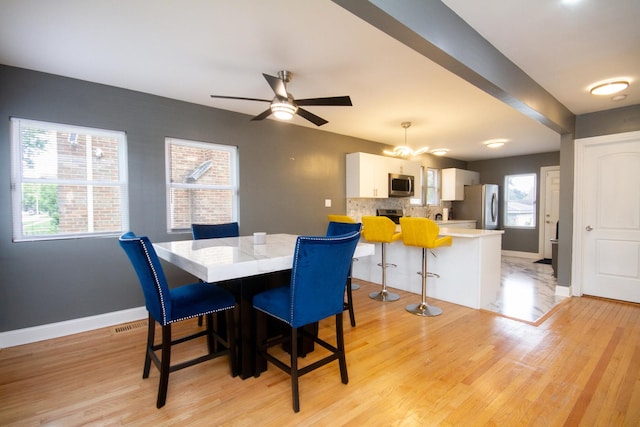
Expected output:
(609, 88)
(405, 150)
(495, 143)
(439, 151)
(283, 110)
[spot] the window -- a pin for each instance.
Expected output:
(202, 183)
(67, 181)
(433, 183)
(520, 200)
(418, 197)
(429, 195)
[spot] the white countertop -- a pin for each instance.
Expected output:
(468, 232)
(227, 258)
(453, 221)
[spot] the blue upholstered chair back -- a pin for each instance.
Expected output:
(150, 274)
(318, 277)
(214, 231)
(338, 228)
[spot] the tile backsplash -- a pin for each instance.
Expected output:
(359, 207)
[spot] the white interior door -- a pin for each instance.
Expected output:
(551, 208)
(609, 226)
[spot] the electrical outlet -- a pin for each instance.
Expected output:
(327, 203)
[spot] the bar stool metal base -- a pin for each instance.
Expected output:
(424, 310)
(384, 296)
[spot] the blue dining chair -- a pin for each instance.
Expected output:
(167, 306)
(336, 228)
(315, 292)
(214, 231)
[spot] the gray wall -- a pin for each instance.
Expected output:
(494, 171)
(286, 173)
(619, 120)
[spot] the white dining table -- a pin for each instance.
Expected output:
(227, 258)
(243, 268)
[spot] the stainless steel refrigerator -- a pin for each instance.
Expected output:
(480, 204)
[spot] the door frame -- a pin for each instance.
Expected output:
(542, 205)
(580, 146)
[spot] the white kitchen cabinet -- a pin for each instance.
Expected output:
(454, 180)
(367, 176)
(403, 167)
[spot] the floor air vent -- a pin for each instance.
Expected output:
(130, 326)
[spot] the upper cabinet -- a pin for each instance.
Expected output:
(368, 174)
(454, 180)
(402, 167)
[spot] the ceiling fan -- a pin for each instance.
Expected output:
(284, 106)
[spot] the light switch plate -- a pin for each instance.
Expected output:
(327, 203)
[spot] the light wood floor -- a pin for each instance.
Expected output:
(464, 368)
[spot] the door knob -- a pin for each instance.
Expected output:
(588, 228)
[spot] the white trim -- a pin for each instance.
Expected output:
(528, 255)
(542, 205)
(577, 261)
(563, 291)
(69, 327)
(233, 186)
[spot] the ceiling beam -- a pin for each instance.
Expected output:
(432, 29)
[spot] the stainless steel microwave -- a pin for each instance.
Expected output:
(400, 185)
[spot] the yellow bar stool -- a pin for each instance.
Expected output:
(380, 229)
(423, 233)
(341, 218)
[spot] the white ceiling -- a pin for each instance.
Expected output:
(190, 49)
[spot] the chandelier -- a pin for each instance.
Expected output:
(405, 150)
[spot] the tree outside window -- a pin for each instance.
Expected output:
(67, 181)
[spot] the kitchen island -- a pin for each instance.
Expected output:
(469, 269)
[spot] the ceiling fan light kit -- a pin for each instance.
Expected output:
(284, 106)
(609, 88)
(283, 110)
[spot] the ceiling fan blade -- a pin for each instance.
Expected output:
(342, 101)
(318, 121)
(241, 98)
(277, 85)
(266, 113)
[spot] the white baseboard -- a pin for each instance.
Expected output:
(563, 291)
(69, 327)
(528, 255)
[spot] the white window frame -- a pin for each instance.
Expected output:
(18, 179)
(534, 201)
(435, 186)
(233, 186)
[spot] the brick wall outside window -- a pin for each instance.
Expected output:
(208, 199)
